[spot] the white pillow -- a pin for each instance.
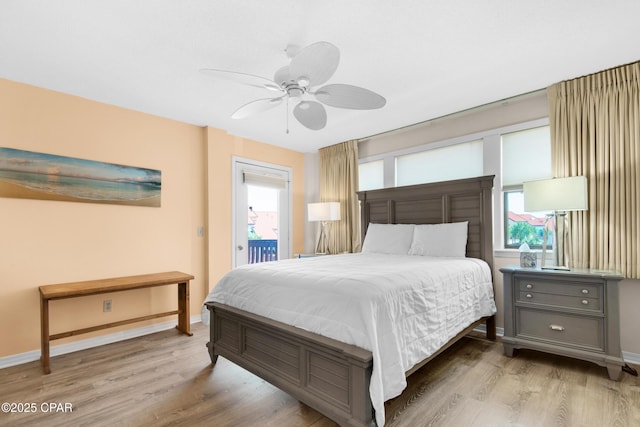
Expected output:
(388, 238)
(448, 239)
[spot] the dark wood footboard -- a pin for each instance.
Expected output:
(330, 376)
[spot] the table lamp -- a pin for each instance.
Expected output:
(323, 212)
(558, 195)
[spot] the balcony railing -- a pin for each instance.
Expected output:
(263, 251)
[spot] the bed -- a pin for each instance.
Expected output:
(338, 375)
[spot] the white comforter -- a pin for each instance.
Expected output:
(401, 308)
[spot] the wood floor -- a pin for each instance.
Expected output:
(166, 379)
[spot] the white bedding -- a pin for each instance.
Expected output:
(401, 308)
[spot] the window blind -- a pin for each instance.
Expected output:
(264, 180)
(371, 175)
(526, 156)
(440, 164)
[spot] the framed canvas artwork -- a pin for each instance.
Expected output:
(33, 175)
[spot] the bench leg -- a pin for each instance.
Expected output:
(44, 335)
(184, 324)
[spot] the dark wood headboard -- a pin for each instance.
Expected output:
(449, 201)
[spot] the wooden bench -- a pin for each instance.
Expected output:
(93, 287)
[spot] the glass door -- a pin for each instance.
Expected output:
(262, 207)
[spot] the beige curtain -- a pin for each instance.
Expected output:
(595, 132)
(339, 183)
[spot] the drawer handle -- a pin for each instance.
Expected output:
(556, 328)
(585, 291)
(529, 296)
(585, 302)
(529, 286)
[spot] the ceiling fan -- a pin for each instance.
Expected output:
(310, 67)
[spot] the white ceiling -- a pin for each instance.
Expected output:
(428, 58)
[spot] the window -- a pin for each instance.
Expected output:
(526, 156)
(514, 154)
(440, 164)
(520, 226)
(371, 175)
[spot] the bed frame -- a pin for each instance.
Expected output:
(328, 375)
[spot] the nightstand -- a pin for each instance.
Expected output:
(571, 313)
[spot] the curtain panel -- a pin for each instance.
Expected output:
(339, 183)
(595, 132)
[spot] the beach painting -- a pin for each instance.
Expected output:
(32, 175)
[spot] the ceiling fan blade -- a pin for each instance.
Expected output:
(257, 106)
(348, 96)
(311, 114)
(242, 78)
(315, 63)
(282, 76)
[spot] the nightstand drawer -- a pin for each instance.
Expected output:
(577, 289)
(566, 301)
(561, 328)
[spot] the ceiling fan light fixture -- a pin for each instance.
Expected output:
(295, 91)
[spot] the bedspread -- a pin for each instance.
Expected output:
(401, 308)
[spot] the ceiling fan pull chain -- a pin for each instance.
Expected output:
(287, 114)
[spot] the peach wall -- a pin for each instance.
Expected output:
(222, 147)
(44, 242)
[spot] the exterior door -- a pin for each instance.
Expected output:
(262, 212)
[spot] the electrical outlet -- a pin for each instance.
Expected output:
(106, 305)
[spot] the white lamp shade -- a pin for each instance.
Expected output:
(326, 211)
(558, 194)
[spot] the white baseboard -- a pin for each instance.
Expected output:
(631, 357)
(56, 350)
